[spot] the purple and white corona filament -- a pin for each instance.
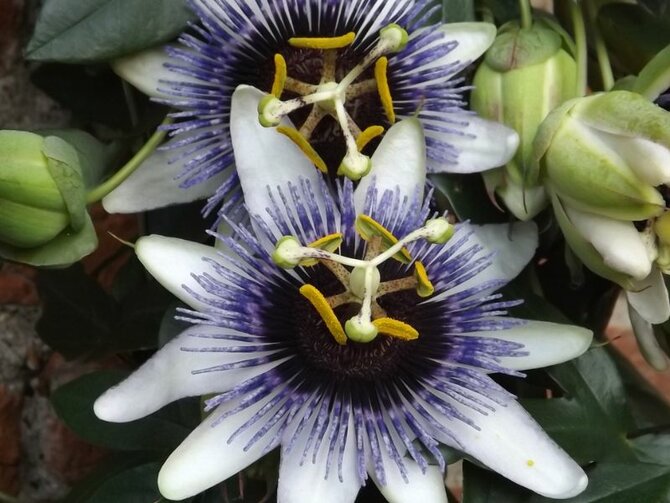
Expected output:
(339, 73)
(274, 344)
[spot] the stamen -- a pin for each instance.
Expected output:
(424, 287)
(368, 228)
(316, 298)
(296, 137)
(330, 243)
(329, 96)
(396, 328)
(280, 76)
(339, 271)
(383, 88)
(392, 38)
(368, 135)
(312, 120)
(354, 165)
(323, 42)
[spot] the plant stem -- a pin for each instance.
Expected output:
(601, 49)
(97, 193)
(580, 43)
(526, 14)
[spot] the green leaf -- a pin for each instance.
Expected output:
(65, 249)
(466, 197)
(131, 479)
(654, 78)
(456, 11)
(95, 94)
(81, 320)
(72, 31)
(608, 483)
(73, 403)
(633, 35)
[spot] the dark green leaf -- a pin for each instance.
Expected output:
(73, 403)
(81, 320)
(73, 31)
(483, 486)
(95, 94)
(78, 315)
(466, 197)
(128, 479)
(633, 35)
(455, 11)
(593, 381)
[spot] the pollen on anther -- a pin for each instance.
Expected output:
(368, 228)
(368, 135)
(424, 287)
(320, 303)
(383, 88)
(301, 142)
(323, 42)
(280, 76)
(396, 329)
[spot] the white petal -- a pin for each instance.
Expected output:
(154, 185)
(168, 376)
(472, 40)
(307, 483)
(649, 160)
(426, 487)
(513, 246)
(207, 457)
(398, 163)
(481, 144)
(173, 262)
(649, 297)
(547, 343)
(264, 157)
(145, 69)
(513, 444)
(646, 339)
(619, 243)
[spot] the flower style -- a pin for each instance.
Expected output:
(283, 338)
(343, 72)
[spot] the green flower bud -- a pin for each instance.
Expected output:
(605, 154)
(43, 219)
(526, 73)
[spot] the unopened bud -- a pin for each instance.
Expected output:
(526, 73)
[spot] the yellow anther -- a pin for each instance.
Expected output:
(424, 288)
(383, 88)
(369, 228)
(320, 303)
(395, 328)
(330, 243)
(296, 137)
(280, 75)
(367, 136)
(323, 42)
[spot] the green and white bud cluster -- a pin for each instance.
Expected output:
(43, 218)
(526, 73)
(605, 161)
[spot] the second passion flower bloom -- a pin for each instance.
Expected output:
(342, 72)
(347, 332)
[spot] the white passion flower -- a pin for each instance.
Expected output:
(338, 73)
(356, 332)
